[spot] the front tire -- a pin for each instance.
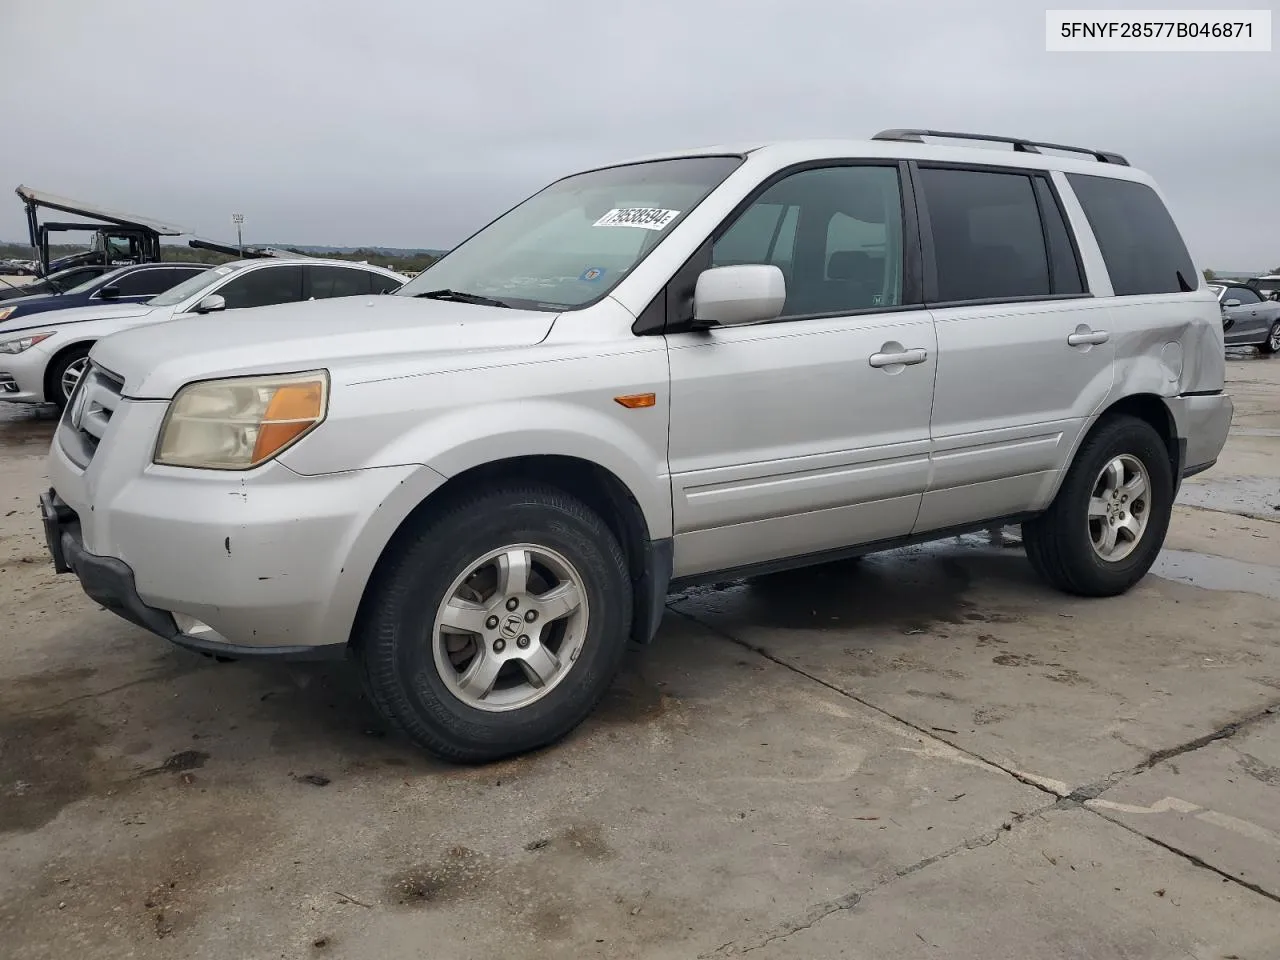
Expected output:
(1272, 344)
(64, 373)
(1108, 522)
(498, 625)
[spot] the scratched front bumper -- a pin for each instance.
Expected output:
(253, 558)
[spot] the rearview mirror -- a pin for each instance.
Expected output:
(211, 304)
(1231, 303)
(109, 292)
(747, 293)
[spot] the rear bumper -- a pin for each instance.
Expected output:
(1202, 422)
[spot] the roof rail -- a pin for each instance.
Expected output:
(1019, 145)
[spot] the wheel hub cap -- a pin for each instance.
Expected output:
(510, 627)
(1119, 508)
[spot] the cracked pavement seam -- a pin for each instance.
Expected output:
(1092, 791)
(821, 911)
(1074, 799)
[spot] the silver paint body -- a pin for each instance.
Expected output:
(766, 441)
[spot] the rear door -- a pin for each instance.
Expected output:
(1024, 354)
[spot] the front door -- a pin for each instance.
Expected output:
(1024, 358)
(811, 432)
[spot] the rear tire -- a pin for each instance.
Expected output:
(1108, 522)
(498, 625)
(64, 373)
(1272, 344)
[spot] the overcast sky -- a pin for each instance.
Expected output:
(398, 124)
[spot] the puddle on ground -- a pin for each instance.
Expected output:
(1218, 573)
(46, 763)
(910, 589)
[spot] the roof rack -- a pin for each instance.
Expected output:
(1019, 145)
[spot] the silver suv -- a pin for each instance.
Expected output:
(698, 365)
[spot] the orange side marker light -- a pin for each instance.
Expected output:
(634, 401)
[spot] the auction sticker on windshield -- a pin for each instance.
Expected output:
(647, 218)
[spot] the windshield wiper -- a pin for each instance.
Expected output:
(462, 297)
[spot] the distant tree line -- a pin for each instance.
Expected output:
(174, 253)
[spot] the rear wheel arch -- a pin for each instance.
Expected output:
(1148, 407)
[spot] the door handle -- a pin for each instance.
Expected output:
(1081, 338)
(903, 357)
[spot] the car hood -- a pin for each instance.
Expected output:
(47, 320)
(350, 336)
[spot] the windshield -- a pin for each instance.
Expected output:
(93, 282)
(193, 285)
(570, 244)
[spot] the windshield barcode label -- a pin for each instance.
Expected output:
(647, 218)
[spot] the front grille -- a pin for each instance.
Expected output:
(89, 411)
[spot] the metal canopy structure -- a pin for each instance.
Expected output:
(40, 198)
(118, 237)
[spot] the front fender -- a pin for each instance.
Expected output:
(555, 428)
(454, 421)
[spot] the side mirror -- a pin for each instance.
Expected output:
(1233, 302)
(109, 292)
(211, 304)
(729, 296)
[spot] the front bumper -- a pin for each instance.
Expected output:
(266, 563)
(110, 582)
(22, 375)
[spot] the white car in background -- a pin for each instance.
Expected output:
(42, 356)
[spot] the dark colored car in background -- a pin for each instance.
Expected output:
(1249, 319)
(59, 282)
(135, 283)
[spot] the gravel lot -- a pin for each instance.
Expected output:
(927, 755)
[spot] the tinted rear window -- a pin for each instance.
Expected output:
(1140, 244)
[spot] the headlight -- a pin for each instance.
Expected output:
(6, 312)
(238, 423)
(22, 343)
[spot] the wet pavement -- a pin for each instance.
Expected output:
(923, 754)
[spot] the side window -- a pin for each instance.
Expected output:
(263, 287)
(76, 277)
(1140, 243)
(834, 232)
(1243, 294)
(988, 241)
(751, 238)
(384, 284)
(147, 283)
(326, 282)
